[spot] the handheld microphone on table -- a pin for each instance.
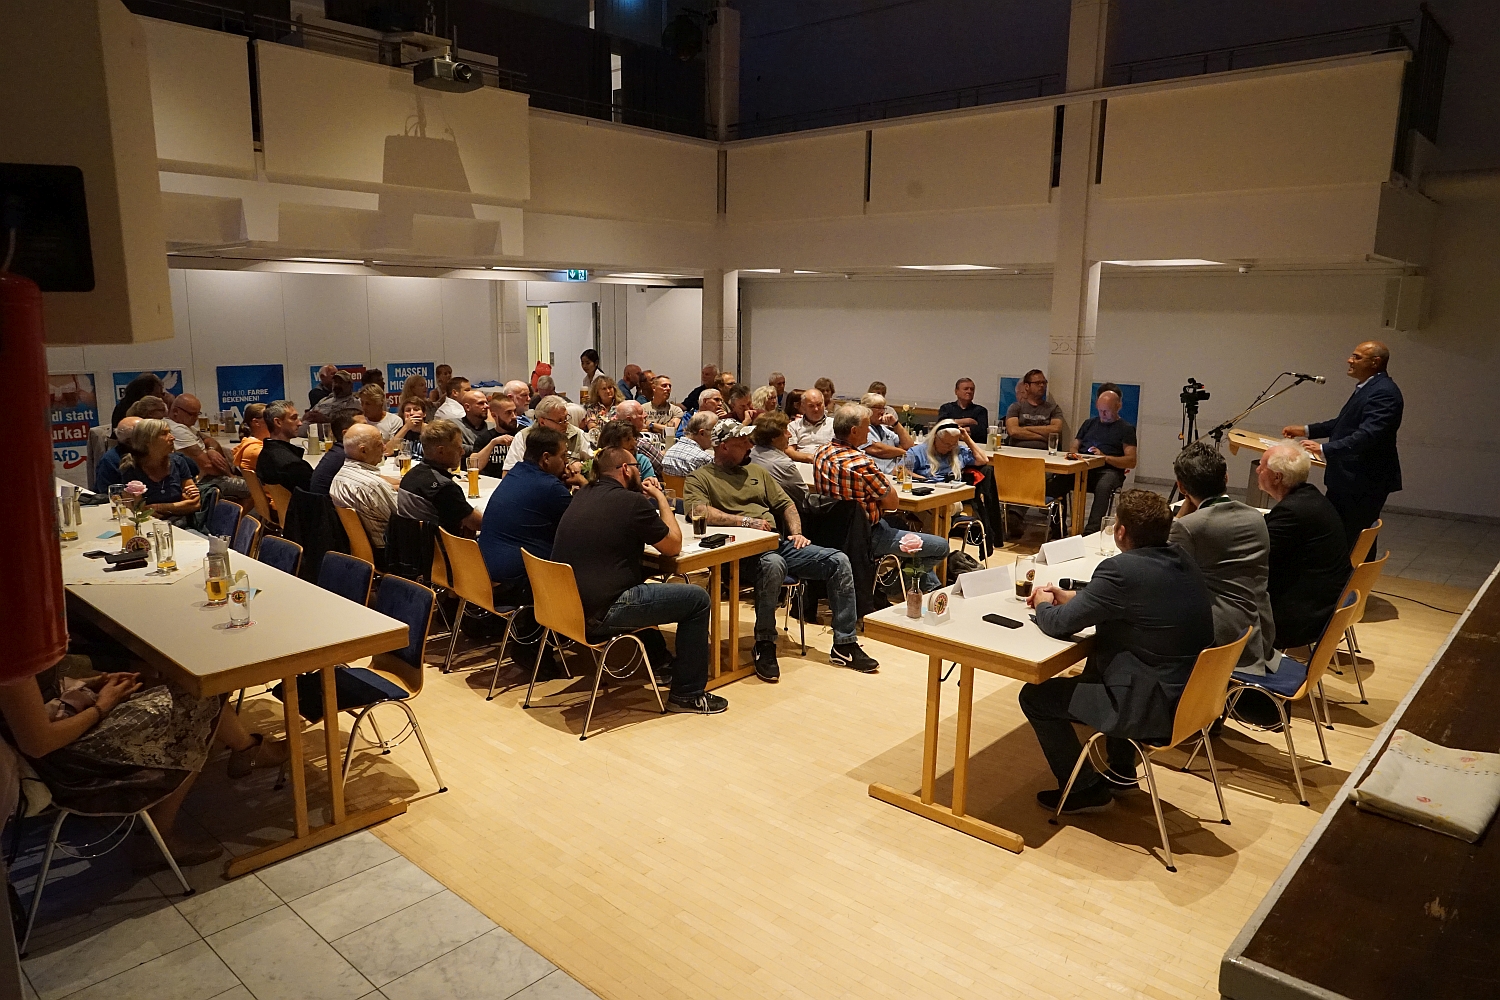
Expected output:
(1320, 379)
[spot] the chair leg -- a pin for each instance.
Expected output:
(1353, 639)
(1161, 823)
(1323, 697)
(359, 718)
(1004, 527)
(598, 676)
(646, 661)
(1188, 767)
(416, 726)
(536, 668)
(379, 739)
(41, 879)
(1077, 766)
(504, 640)
(458, 620)
(1291, 748)
(1354, 662)
(1213, 771)
(802, 618)
(161, 845)
(1317, 723)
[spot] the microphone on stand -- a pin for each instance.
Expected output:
(1307, 378)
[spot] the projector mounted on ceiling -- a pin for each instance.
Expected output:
(445, 74)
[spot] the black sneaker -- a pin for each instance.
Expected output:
(766, 667)
(700, 704)
(1096, 799)
(663, 676)
(850, 655)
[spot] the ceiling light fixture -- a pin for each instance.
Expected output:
(761, 270)
(322, 260)
(947, 267)
(645, 276)
(1173, 262)
(804, 272)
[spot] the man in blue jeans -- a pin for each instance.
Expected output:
(602, 536)
(736, 493)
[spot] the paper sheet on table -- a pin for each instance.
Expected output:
(1062, 550)
(91, 571)
(1455, 792)
(983, 581)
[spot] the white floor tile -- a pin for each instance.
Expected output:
(211, 912)
(193, 972)
(278, 957)
(296, 877)
(131, 942)
(557, 986)
(390, 948)
(493, 967)
(347, 905)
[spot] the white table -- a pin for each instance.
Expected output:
(297, 628)
(1024, 653)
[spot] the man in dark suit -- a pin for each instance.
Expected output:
(1363, 466)
(1309, 564)
(1152, 616)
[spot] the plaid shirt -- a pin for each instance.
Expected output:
(845, 474)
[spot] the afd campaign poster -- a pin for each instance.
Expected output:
(241, 385)
(171, 378)
(75, 410)
(357, 371)
(396, 374)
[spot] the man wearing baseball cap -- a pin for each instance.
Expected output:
(736, 493)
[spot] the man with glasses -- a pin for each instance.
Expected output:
(1032, 418)
(211, 457)
(552, 411)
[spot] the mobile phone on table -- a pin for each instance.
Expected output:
(712, 541)
(1002, 621)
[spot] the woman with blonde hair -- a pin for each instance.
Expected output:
(603, 395)
(167, 474)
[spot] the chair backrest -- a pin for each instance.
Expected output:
(224, 519)
(437, 573)
(468, 576)
(1362, 545)
(555, 592)
(1362, 580)
(359, 539)
(1333, 634)
(1021, 480)
(677, 484)
(409, 546)
(411, 603)
(258, 497)
(281, 500)
(346, 576)
(247, 536)
(1207, 688)
(280, 553)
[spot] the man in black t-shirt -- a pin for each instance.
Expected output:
(1110, 437)
(602, 536)
(428, 492)
(280, 462)
(963, 411)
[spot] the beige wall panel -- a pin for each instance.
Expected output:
(982, 161)
(613, 244)
(816, 177)
(200, 94)
(1321, 127)
(328, 118)
(327, 227)
(199, 220)
(582, 168)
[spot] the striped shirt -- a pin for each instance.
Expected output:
(362, 489)
(843, 473)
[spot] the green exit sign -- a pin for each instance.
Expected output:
(578, 274)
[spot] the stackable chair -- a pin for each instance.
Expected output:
(1294, 680)
(224, 519)
(281, 502)
(247, 536)
(260, 502)
(359, 538)
(280, 554)
(1023, 482)
(559, 610)
(1361, 581)
(346, 576)
(465, 573)
(1362, 545)
(1200, 706)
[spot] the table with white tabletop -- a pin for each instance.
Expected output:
(297, 628)
(1025, 653)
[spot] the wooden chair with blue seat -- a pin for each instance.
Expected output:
(247, 536)
(281, 554)
(1362, 580)
(1294, 680)
(346, 576)
(393, 678)
(224, 519)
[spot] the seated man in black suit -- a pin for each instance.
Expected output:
(1152, 616)
(1309, 549)
(1363, 465)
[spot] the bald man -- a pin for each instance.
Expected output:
(359, 486)
(107, 471)
(1111, 437)
(211, 458)
(1363, 465)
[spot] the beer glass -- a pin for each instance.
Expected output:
(161, 542)
(1024, 572)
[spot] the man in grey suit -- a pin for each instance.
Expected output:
(1229, 542)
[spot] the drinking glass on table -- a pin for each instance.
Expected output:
(117, 501)
(700, 520)
(161, 542)
(1107, 535)
(1052, 443)
(1024, 575)
(240, 594)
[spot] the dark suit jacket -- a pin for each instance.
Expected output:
(1309, 565)
(1152, 616)
(280, 463)
(1361, 448)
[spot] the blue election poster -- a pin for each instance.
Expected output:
(1008, 385)
(396, 374)
(358, 371)
(171, 378)
(241, 385)
(74, 411)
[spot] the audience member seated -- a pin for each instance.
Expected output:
(662, 415)
(167, 474)
(710, 381)
(622, 434)
(359, 486)
(1152, 616)
(777, 381)
(1112, 438)
(372, 406)
(889, 440)
(763, 399)
(371, 376)
(737, 401)
(791, 405)
(523, 513)
(825, 386)
(603, 536)
(647, 444)
(253, 433)
(739, 494)
(712, 401)
(520, 394)
(694, 449)
(476, 418)
(546, 386)
(551, 411)
(813, 429)
(1309, 560)
(107, 471)
(210, 458)
(341, 400)
(878, 388)
(1229, 543)
(493, 443)
(452, 406)
(964, 411)
(415, 387)
(324, 388)
(414, 415)
(139, 388)
(771, 442)
(1032, 419)
(946, 453)
(843, 471)
(280, 462)
(333, 458)
(600, 406)
(633, 386)
(428, 492)
(441, 377)
(148, 408)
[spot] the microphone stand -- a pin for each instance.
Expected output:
(1218, 432)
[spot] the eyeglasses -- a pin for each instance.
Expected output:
(1037, 382)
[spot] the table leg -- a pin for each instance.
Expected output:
(715, 666)
(930, 733)
(961, 740)
(294, 752)
(727, 671)
(331, 743)
(734, 615)
(942, 520)
(1080, 499)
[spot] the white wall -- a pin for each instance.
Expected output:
(296, 320)
(665, 330)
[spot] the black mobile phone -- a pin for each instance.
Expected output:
(95, 554)
(117, 567)
(712, 541)
(1002, 621)
(921, 491)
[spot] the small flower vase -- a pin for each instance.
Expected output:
(914, 603)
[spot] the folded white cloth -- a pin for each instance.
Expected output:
(1428, 785)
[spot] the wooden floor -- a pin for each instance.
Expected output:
(740, 855)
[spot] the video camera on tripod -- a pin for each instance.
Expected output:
(1192, 394)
